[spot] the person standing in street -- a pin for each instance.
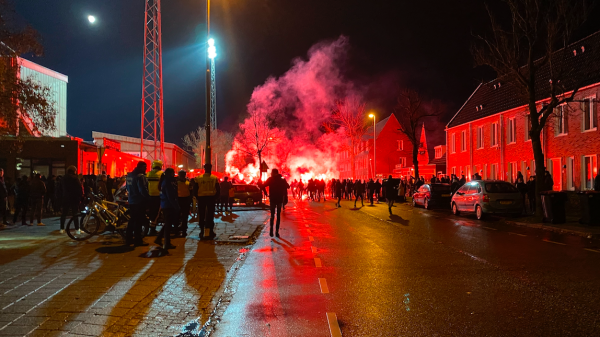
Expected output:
(21, 200)
(137, 187)
(370, 190)
(154, 201)
(531, 194)
(207, 190)
(225, 186)
(3, 198)
(169, 204)
(597, 182)
(184, 198)
(72, 193)
(390, 192)
(277, 191)
(377, 190)
(359, 191)
(36, 198)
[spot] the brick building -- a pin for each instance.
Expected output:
(489, 133)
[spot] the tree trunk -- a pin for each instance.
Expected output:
(259, 166)
(353, 160)
(540, 166)
(416, 160)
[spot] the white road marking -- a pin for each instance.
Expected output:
(317, 262)
(558, 243)
(311, 239)
(592, 250)
(314, 249)
(334, 327)
(323, 285)
(516, 234)
(31, 292)
(494, 229)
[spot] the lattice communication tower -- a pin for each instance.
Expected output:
(152, 138)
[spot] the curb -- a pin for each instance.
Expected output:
(582, 233)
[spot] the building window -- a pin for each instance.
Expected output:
(494, 134)
(589, 168)
(570, 181)
(560, 120)
(403, 161)
(480, 137)
(589, 114)
(494, 172)
(454, 170)
(511, 174)
(528, 128)
(463, 141)
(484, 175)
(400, 145)
(453, 143)
(438, 152)
(512, 131)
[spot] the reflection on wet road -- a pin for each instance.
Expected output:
(362, 272)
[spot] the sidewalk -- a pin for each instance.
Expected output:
(572, 226)
(53, 286)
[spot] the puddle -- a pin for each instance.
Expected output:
(192, 329)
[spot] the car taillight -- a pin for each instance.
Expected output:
(486, 198)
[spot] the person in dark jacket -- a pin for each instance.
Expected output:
(522, 187)
(3, 197)
(21, 200)
(36, 198)
(339, 191)
(531, 194)
(170, 207)
(277, 190)
(359, 191)
(72, 193)
(597, 182)
(184, 197)
(391, 191)
(137, 188)
(548, 181)
(370, 190)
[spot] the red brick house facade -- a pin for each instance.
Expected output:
(489, 133)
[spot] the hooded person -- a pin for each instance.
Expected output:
(278, 187)
(137, 188)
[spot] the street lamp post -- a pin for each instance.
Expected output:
(211, 54)
(372, 115)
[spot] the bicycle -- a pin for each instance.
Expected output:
(98, 218)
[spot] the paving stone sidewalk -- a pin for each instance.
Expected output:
(53, 286)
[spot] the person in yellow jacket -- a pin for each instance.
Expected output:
(154, 205)
(184, 195)
(207, 190)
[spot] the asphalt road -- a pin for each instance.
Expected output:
(415, 273)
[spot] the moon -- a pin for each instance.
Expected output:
(91, 18)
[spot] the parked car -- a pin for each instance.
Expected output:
(487, 196)
(430, 195)
(247, 194)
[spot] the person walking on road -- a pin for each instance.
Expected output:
(207, 190)
(377, 190)
(277, 190)
(169, 204)
(36, 198)
(390, 192)
(339, 191)
(184, 197)
(370, 190)
(72, 193)
(359, 191)
(137, 188)
(3, 198)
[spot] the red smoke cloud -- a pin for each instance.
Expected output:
(289, 111)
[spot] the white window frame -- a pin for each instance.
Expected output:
(453, 143)
(593, 120)
(438, 153)
(512, 131)
(494, 172)
(454, 170)
(403, 161)
(463, 141)
(400, 145)
(561, 121)
(594, 168)
(494, 135)
(480, 137)
(527, 127)
(570, 170)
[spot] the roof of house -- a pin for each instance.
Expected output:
(501, 95)
(378, 127)
(439, 161)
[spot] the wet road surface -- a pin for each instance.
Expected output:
(362, 272)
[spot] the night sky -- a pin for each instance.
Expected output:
(421, 44)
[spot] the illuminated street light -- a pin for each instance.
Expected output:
(372, 115)
(212, 50)
(180, 166)
(91, 18)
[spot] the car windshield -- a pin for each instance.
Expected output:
(500, 188)
(440, 188)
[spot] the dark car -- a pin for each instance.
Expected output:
(487, 196)
(430, 195)
(247, 194)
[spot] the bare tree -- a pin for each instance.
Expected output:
(349, 116)
(257, 133)
(221, 143)
(411, 111)
(534, 42)
(22, 101)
